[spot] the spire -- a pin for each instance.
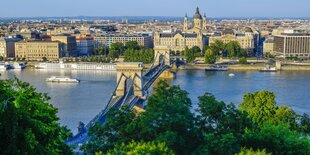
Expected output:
(204, 15)
(186, 15)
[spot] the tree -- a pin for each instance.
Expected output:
(245, 151)
(210, 57)
(118, 48)
(1, 58)
(113, 132)
(132, 45)
(114, 54)
(189, 55)
(217, 47)
(277, 139)
(233, 48)
(262, 108)
(28, 124)
(221, 125)
(243, 60)
(140, 148)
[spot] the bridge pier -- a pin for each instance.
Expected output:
(162, 54)
(126, 72)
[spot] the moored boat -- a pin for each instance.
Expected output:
(64, 79)
(216, 68)
(268, 69)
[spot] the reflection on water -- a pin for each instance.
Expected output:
(291, 88)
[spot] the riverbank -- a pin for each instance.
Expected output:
(253, 67)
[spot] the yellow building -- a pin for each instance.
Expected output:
(268, 46)
(245, 39)
(68, 44)
(190, 37)
(36, 50)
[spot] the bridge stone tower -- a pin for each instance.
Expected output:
(126, 71)
(162, 52)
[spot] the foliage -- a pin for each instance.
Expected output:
(28, 124)
(233, 48)
(141, 55)
(245, 151)
(191, 53)
(243, 60)
(215, 127)
(101, 51)
(278, 139)
(261, 108)
(305, 123)
(210, 57)
(142, 148)
(1, 58)
(218, 47)
(269, 55)
(222, 126)
(103, 138)
(133, 45)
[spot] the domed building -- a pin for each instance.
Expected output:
(191, 36)
(199, 23)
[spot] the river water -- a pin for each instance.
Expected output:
(81, 102)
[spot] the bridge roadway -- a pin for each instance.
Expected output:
(129, 99)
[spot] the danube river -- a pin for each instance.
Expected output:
(81, 102)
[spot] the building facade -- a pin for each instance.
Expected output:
(108, 39)
(268, 46)
(68, 44)
(292, 45)
(246, 39)
(85, 46)
(190, 36)
(7, 47)
(37, 50)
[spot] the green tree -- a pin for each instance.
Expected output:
(118, 48)
(1, 58)
(245, 151)
(114, 54)
(132, 45)
(221, 125)
(233, 48)
(217, 47)
(262, 108)
(277, 139)
(189, 55)
(243, 60)
(142, 148)
(28, 123)
(210, 57)
(114, 132)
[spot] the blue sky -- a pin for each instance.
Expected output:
(213, 8)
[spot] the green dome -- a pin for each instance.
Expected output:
(197, 14)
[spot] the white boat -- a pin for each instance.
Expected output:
(65, 79)
(17, 65)
(268, 69)
(231, 74)
(3, 66)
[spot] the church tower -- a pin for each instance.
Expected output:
(204, 24)
(197, 21)
(185, 24)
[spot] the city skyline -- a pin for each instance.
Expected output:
(173, 8)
